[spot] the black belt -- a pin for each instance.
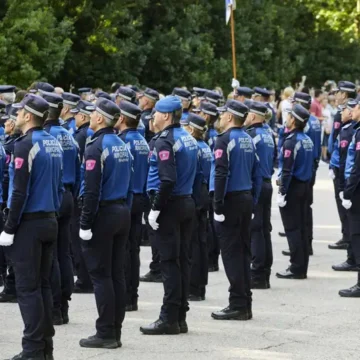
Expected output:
(112, 202)
(68, 187)
(38, 215)
(266, 180)
(234, 193)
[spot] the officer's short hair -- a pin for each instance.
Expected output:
(176, 116)
(238, 120)
(54, 113)
(38, 120)
(131, 122)
(299, 124)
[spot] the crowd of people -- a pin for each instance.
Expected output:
(85, 177)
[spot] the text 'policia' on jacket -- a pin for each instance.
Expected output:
(173, 163)
(139, 149)
(71, 160)
(265, 147)
(351, 172)
(296, 159)
(35, 171)
(108, 173)
(235, 167)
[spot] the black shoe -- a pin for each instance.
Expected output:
(96, 342)
(152, 277)
(287, 274)
(345, 266)
(7, 298)
(231, 314)
(22, 356)
(118, 337)
(260, 284)
(196, 298)
(160, 327)
(354, 291)
(183, 327)
(286, 252)
(57, 320)
(82, 290)
(282, 234)
(339, 245)
(49, 357)
(213, 268)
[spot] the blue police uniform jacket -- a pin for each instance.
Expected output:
(35, 176)
(344, 141)
(82, 136)
(2, 170)
(210, 137)
(185, 115)
(70, 125)
(139, 149)
(173, 165)
(107, 173)
(335, 154)
(352, 171)
(334, 131)
(141, 128)
(265, 147)
(235, 166)
(2, 135)
(296, 159)
(313, 130)
(206, 158)
(9, 150)
(71, 159)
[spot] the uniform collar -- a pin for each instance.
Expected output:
(256, 125)
(35, 128)
(128, 130)
(172, 126)
(106, 130)
(69, 119)
(84, 126)
(52, 122)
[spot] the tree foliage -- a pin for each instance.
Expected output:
(167, 43)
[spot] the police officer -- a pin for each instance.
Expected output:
(344, 139)
(261, 246)
(12, 133)
(185, 97)
(199, 248)
(351, 199)
(197, 96)
(171, 177)
(31, 226)
(127, 125)
(125, 93)
(242, 93)
(62, 276)
(85, 93)
(345, 91)
(105, 222)
(82, 136)
(236, 185)
(296, 164)
(147, 101)
(154, 275)
(213, 97)
(70, 101)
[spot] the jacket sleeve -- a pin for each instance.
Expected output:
(343, 154)
(354, 179)
(288, 165)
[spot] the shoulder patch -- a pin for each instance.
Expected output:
(164, 134)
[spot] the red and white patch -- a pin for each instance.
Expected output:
(343, 143)
(287, 153)
(358, 146)
(90, 165)
(336, 125)
(19, 163)
(218, 153)
(164, 155)
(8, 159)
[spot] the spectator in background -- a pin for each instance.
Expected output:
(327, 123)
(316, 107)
(285, 104)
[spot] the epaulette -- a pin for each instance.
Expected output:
(164, 134)
(91, 141)
(20, 137)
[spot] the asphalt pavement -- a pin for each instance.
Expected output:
(295, 319)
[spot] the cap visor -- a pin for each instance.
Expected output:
(197, 110)
(18, 105)
(74, 111)
(221, 109)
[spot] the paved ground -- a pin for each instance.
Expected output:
(294, 320)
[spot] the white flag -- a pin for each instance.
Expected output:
(228, 5)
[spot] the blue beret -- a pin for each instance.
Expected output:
(85, 107)
(196, 121)
(213, 97)
(299, 113)
(168, 104)
(151, 94)
(258, 108)
(102, 94)
(235, 107)
(244, 91)
(84, 90)
(129, 109)
(7, 89)
(108, 109)
(34, 104)
(302, 98)
(70, 98)
(183, 94)
(262, 92)
(53, 99)
(126, 93)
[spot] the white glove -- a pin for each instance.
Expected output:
(6, 239)
(143, 222)
(331, 174)
(346, 204)
(219, 217)
(235, 83)
(281, 200)
(252, 216)
(341, 195)
(85, 234)
(154, 214)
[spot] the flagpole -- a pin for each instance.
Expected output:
(233, 41)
